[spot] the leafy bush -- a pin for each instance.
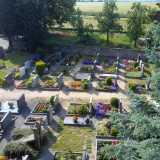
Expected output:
(29, 84)
(17, 75)
(108, 80)
(41, 52)
(114, 102)
(2, 82)
(26, 70)
(82, 109)
(132, 86)
(138, 68)
(136, 64)
(71, 56)
(40, 67)
(73, 63)
(114, 109)
(108, 88)
(51, 100)
(77, 57)
(114, 131)
(19, 149)
(85, 85)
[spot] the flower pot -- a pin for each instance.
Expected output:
(75, 121)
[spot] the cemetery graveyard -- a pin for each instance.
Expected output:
(91, 75)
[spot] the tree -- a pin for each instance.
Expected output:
(108, 20)
(137, 18)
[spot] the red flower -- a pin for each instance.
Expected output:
(76, 115)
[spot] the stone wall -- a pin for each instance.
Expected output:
(122, 52)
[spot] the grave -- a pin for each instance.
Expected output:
(22, 72)
(35, 81)
(9, 78)
(28, 64)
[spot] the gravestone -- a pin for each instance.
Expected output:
(89, 82)
(35, 81)
(26, 157)
(139, 57)
(7, 119)
(9, 78)
(56, 102)
(117, 58)
(84, 153)
(80, 55)
(50, 115)
(142, 69)
(92, 72)
(28, 64)
(90, 105)
(75, 57)
(22, 72)
(140, 63)
(97, 57)
(94, 66)
(116, 70)
(53, 61)
(1, 52)
(37, 134)
(60, 80)
(115, 82)
(45, 123)
(21, 102)
(67, 69)
(60, 56)
(120, 104)
(117, 64)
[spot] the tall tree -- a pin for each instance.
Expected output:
(108, 19)
(137, 18)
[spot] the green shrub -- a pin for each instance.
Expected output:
(138, 68)
(41, 52)
(89, 69)
(114, 109)
(114, 102)
(108, 88)
(51, 100)
(77, 57)
(19, 149)
(85, 85)
(82, 109)
(73, 63)
(3, 82)
(40, 67)
(132, 86)
(71, 56)
(114, 131)
(108, 81)
(64, 70)
(136, 64)
(29, 84)
(26, 70)
(44, 110)
(17, 75)
(17, 70)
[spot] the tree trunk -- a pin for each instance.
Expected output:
(10, 42)
(135, 44)
(107, 38)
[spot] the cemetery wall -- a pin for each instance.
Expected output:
(124, 53)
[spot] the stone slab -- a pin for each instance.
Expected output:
(82, 76)
(114, 76)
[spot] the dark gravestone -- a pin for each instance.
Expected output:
(97, 57)
(6, 121)
(21, 102)
(80, 55)
(95, 65)
(50, 115)
(9, 78)
(56, 102)
(89, 82)
(120, 104)
(116, 70)
(1, 52)
(60, 80)
(139, 57)
(67, 69)
(115, 82)
(60, 56)
(92, 72)
(45, 123)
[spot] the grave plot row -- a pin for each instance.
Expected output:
(90, 59)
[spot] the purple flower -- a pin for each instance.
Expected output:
(100, 104)
(141, 75)
(113, 88)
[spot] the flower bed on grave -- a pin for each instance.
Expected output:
(32, 60)
(137, 88)
(58, 71)
(2, 82)
(104, 86)
(105, 129)
(109, 66)
(41, 107)
(76, 85)
(67, 156)
(102, 143)
(102, 109)
(26, 83)
(90, 60)
(133, 70)
(75, 108)
(32, 120)
(70, 60)
(50, 84)
(86, 69)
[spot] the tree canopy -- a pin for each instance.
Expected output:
(108, 19)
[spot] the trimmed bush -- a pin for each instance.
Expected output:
(108, 80)
(51, 100)
(40, 67)
(26, 70)
(85, 85)
(114, 131)
(17, 75)
(114, 102)
(114, 109)
(132, 86)
(41, 52)
(136, 64)
(3, 82)
(73, 63)
(29, 84)
(138, 68)
(77, 57)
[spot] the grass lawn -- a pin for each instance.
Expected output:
(16, 58)
(72, 138)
